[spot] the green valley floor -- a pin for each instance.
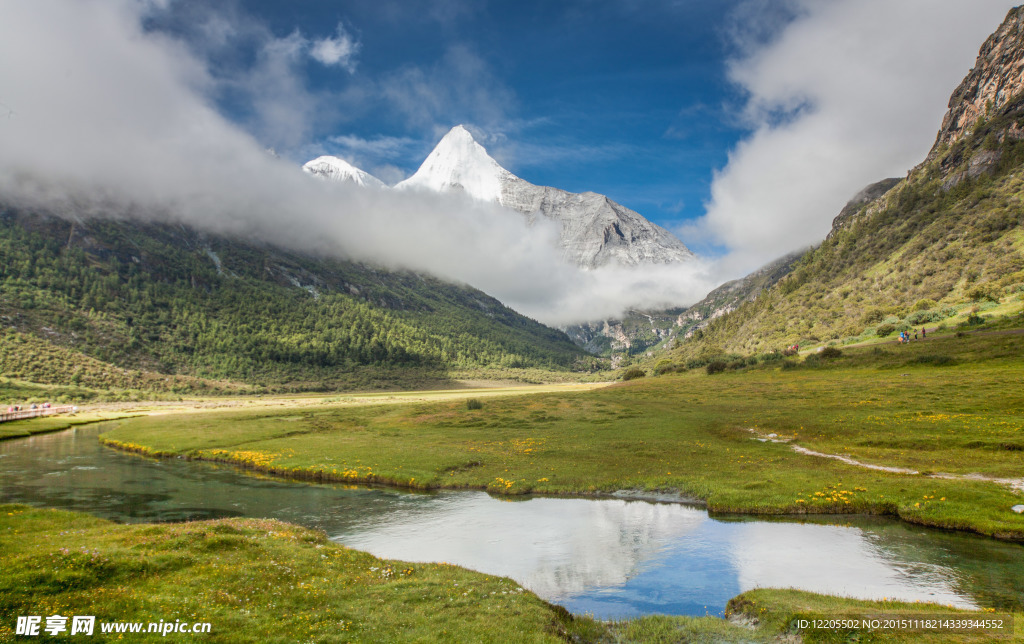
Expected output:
(932, 433)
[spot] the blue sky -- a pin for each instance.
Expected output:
(629, 99)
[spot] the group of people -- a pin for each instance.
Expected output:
(13, 408)
(905, 335)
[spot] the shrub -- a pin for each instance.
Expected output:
(664, 367)
(924, 305)
(936, 360)
(872, 315)
(473, 403)
(633, 373)
(830, 352)
(716, 366)
(921, 317)
(979, 293)
(884, 330)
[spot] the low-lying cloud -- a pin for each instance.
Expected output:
(839, 94)
(106, 118)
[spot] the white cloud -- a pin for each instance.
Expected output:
(106, 118)
(846, 93)
(260, 75)
(338, 51)
(378, 147)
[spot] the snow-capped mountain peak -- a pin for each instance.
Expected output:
(594, 229)
(459, 163)
(335, 169)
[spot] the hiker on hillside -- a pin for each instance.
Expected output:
(915, 334)
(924, 333)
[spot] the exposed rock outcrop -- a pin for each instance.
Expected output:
(867, 195)
(997, 77)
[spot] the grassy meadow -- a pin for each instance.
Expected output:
(265, 581)
(949, 405)
(45, 424)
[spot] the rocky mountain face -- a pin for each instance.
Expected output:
(335, 169)
(651, 332)
(996, 78)
(731, 295)
(915, 251)
(867, 195)
(636, 333)
(595, 230)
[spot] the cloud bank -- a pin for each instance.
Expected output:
(839, 94)
(107, 118)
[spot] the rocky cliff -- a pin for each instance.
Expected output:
(867, 195)
(997, 77)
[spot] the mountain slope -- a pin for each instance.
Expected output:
(951, 233)
(168, 299)
(657, 331)
(595, 230)
(729, 296)
(335, 169)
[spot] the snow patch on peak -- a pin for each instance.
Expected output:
(460, 164)
(335, 169)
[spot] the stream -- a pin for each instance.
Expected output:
(611, 558)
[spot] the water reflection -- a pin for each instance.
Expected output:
(558, 548)
(611, 558)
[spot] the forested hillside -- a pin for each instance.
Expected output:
(167, 299)
(950, 235)
(946, 240)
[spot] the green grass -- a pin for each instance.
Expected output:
(776, 610)
(265, 581)
(30, 426)
(688, 433)
(254, 581)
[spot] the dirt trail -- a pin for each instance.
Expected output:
(1016, 484)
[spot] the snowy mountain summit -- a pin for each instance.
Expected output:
(459, 164)
(594, 229)
(335, 169)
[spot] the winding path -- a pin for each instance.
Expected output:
(1016, 484)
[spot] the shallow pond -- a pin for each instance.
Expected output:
(609, 557)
